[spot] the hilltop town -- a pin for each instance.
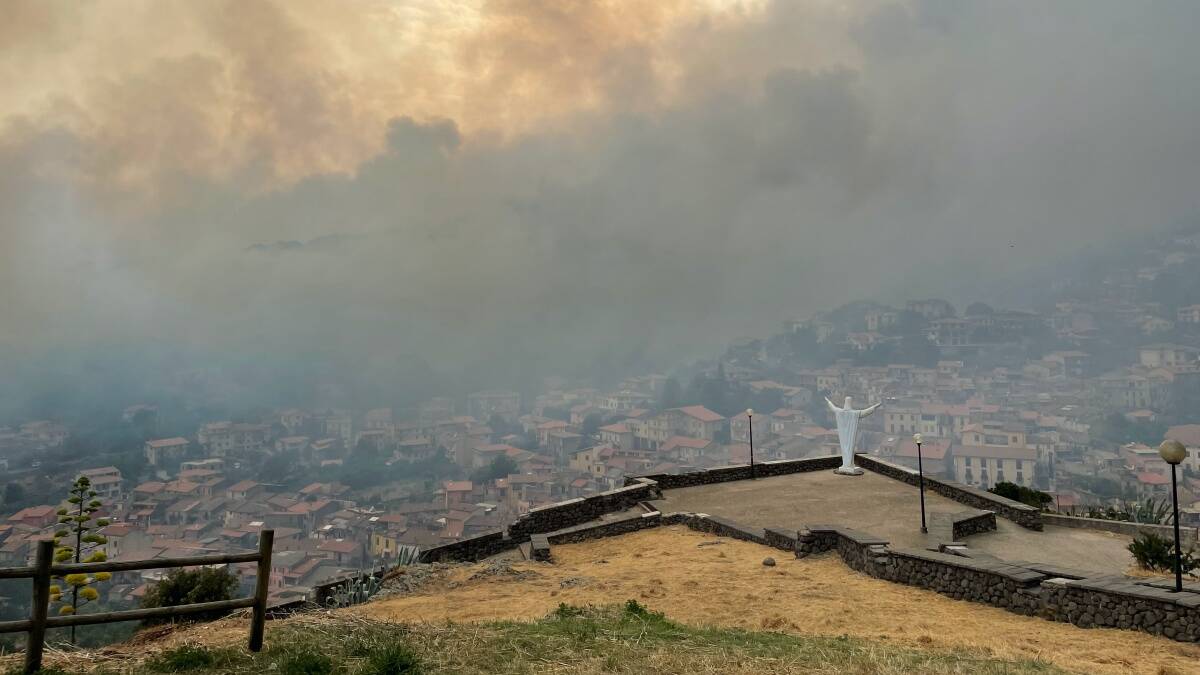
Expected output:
(1070, 401)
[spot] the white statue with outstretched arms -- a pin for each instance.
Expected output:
(847, 425)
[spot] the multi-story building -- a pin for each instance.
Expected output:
(483, 404)
(106, 481)
(984, 466)
(694, 421)
(224, 439)
(165, 450)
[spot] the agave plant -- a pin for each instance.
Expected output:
(407, 555)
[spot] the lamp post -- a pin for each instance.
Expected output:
(1173, 453)
(750, 420)
(921, 481)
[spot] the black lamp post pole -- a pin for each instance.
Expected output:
(1175, 509)
(750, 419)
(921, 482)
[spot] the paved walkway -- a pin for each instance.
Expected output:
(890, 509)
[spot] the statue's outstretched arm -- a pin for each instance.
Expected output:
(868, 411)
(832, 407)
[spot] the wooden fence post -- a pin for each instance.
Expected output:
(262, 584)
(41, 606)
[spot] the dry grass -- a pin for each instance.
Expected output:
(726, 585)
(848, 622)
(576, 641)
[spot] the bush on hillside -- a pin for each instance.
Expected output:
(1157, 553)
(186, 587)
(1035, 498)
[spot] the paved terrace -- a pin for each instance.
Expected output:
(890, 509)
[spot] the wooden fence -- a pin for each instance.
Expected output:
(44, 569)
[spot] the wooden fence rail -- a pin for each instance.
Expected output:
(42, 572)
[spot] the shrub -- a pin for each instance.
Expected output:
(305, 663)
(394, 659)
(181, 659)
(1154, 552)
(1020, 493)
(185, 587)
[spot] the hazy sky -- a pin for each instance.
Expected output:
(544, 181)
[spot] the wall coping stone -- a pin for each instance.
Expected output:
(1012, 572)
(1120, 526)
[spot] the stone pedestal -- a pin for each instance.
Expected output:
(848, 471)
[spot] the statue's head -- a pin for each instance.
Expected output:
(849, 403)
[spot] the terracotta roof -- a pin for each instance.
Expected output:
(684, 442)
(338, 546)
(932, 448)
(1188, 434)
(167, 442)
(457, 486)
(701, 413)
(1153, 478)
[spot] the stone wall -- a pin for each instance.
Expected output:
(607, 528)
(1091, 603)
(469, 550)
(1187, 535)
(1027, 589)
(741, 472)
(1021, 514)
(963, 525)
(553, 517)
(727, 528)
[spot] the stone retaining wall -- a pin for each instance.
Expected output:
(608, 528)
(469, 550)
(727, 528)
(740, 472)
(966, 524)
(1021, 514)
(552, 517)
(1187, 535)
(1026, 588)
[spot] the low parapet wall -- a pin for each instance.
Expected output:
(725, 474)
(1026, 588)
(552, 517)
(963, 525)
(1021, 514)
(1187, 535)
(469, 550)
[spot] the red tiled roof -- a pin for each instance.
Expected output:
(1153, 478)
(932, 448)
(338, 546)
(701, 413)
(684, 442)
(1188, 434)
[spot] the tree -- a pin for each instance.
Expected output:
(672, 394)
(77, 526)
(591, 424)
(186, 587)
(1020, 493)
(499, 467)
(14, 493)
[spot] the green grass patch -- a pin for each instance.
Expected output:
(627, 638)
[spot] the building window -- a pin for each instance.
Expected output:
(967, 461)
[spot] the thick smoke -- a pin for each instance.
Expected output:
(518, 188)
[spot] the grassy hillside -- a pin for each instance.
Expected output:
(614, 639)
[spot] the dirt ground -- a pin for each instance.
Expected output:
(704, 580)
